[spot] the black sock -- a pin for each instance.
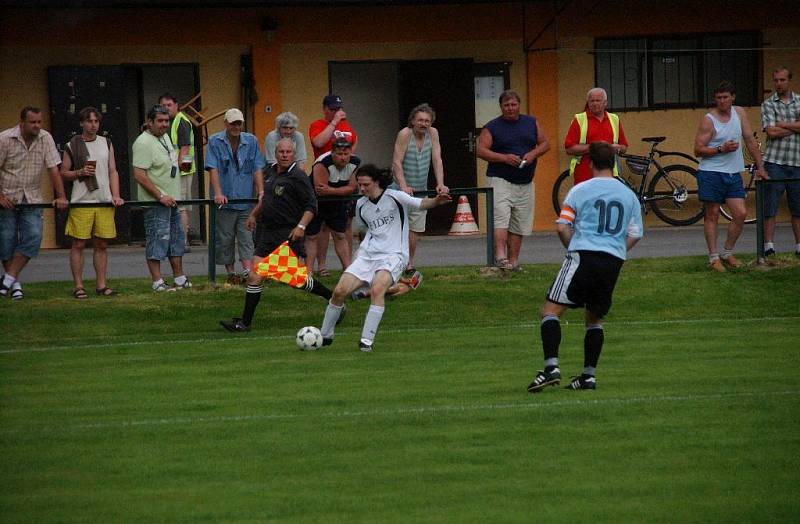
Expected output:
(251, 299)
(318, 288)
(592, 346)
(551, 337)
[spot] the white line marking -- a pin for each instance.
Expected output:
(398, 330)
(422, 410)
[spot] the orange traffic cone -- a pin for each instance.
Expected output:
(464, 223)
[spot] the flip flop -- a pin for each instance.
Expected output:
(106, 292)
(324, 272)
(79, 293)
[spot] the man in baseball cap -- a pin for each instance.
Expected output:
(332, 126)
(235, 165)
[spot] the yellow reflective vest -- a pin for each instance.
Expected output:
(173, 135)
(583, 124)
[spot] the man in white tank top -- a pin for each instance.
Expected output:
(718, 145)
(89, 164)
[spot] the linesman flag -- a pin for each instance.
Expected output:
(284, 266)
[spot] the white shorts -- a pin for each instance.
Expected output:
(364, 269)
(416, 220)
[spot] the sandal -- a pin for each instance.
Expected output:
(79, 293)
(409, 271)
(324, 272)
(16, 293)
(106, 292)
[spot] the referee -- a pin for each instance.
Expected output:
(282, 213)
(600, 220)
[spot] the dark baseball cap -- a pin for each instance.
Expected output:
(332, 101)
(341, 142)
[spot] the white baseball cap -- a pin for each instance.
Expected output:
(234, 115)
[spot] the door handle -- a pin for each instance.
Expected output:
(469, 140)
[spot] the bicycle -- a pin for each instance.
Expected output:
(671, 193)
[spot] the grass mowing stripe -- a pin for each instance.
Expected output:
(517, 325)
(421, 410)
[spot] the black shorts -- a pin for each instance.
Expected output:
(267, 240)
(586, 279)
(332, 213)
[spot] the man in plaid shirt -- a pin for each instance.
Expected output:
(24, 150)
(780, 118)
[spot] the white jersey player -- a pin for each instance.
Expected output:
(382, 255)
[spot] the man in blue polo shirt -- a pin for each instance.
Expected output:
(235, 164)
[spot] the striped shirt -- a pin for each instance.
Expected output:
(21, 166)
(785, 150)
(417, 163)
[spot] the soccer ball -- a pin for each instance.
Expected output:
(309, 338)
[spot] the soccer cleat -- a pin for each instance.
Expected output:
(731, 261)
(327, 341)
(235, 325)
(582, 382)
(544, 379)
(364, 347)
(716, 265)
(769, 252)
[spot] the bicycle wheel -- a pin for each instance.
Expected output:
(672, 195)
(749, 178)
(560, 189)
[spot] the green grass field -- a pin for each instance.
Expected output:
(140, 408)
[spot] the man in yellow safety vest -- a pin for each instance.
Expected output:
(181, 133)
(595, 124)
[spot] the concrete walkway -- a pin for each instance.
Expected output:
(128, 261)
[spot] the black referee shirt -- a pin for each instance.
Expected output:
(286, 197)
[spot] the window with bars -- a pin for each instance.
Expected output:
(663, 72)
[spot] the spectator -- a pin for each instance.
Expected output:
(235, 165)
(24, 150)
(286, 127)
(415, 149)
(511, 144)
(89, 162)
(155, 168)
(181, 133)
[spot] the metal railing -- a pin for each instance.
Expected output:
(213, 208)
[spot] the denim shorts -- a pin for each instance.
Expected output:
(20, 232)
(716, 187)
(163, 233)
(773, 192)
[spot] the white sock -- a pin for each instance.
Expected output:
(769, 245)
(8, 280)
(181, 280)
(371, 323)
(332, 313)
(16, 285)
(797, 248)
(726, 252)
(712, 257)
(158, 283)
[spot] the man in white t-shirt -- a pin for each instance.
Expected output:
(89, 163)
(382, 255)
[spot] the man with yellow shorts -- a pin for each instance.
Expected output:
(89, 163)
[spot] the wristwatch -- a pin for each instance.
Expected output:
(301, 226)
(719, 149)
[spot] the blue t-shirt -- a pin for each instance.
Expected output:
(517, 137)
(604, 212)
(235, 174)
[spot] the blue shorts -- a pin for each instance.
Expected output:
(163, 233)
(20, 232)
(716, 187)
(773, 192)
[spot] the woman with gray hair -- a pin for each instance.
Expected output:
(286, 127)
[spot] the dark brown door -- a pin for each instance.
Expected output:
(448, 86)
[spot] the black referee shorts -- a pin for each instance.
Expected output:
(586, 279)
(267, 240)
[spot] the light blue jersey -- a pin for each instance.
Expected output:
(604, 213)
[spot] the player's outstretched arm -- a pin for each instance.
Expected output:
(438, 200)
